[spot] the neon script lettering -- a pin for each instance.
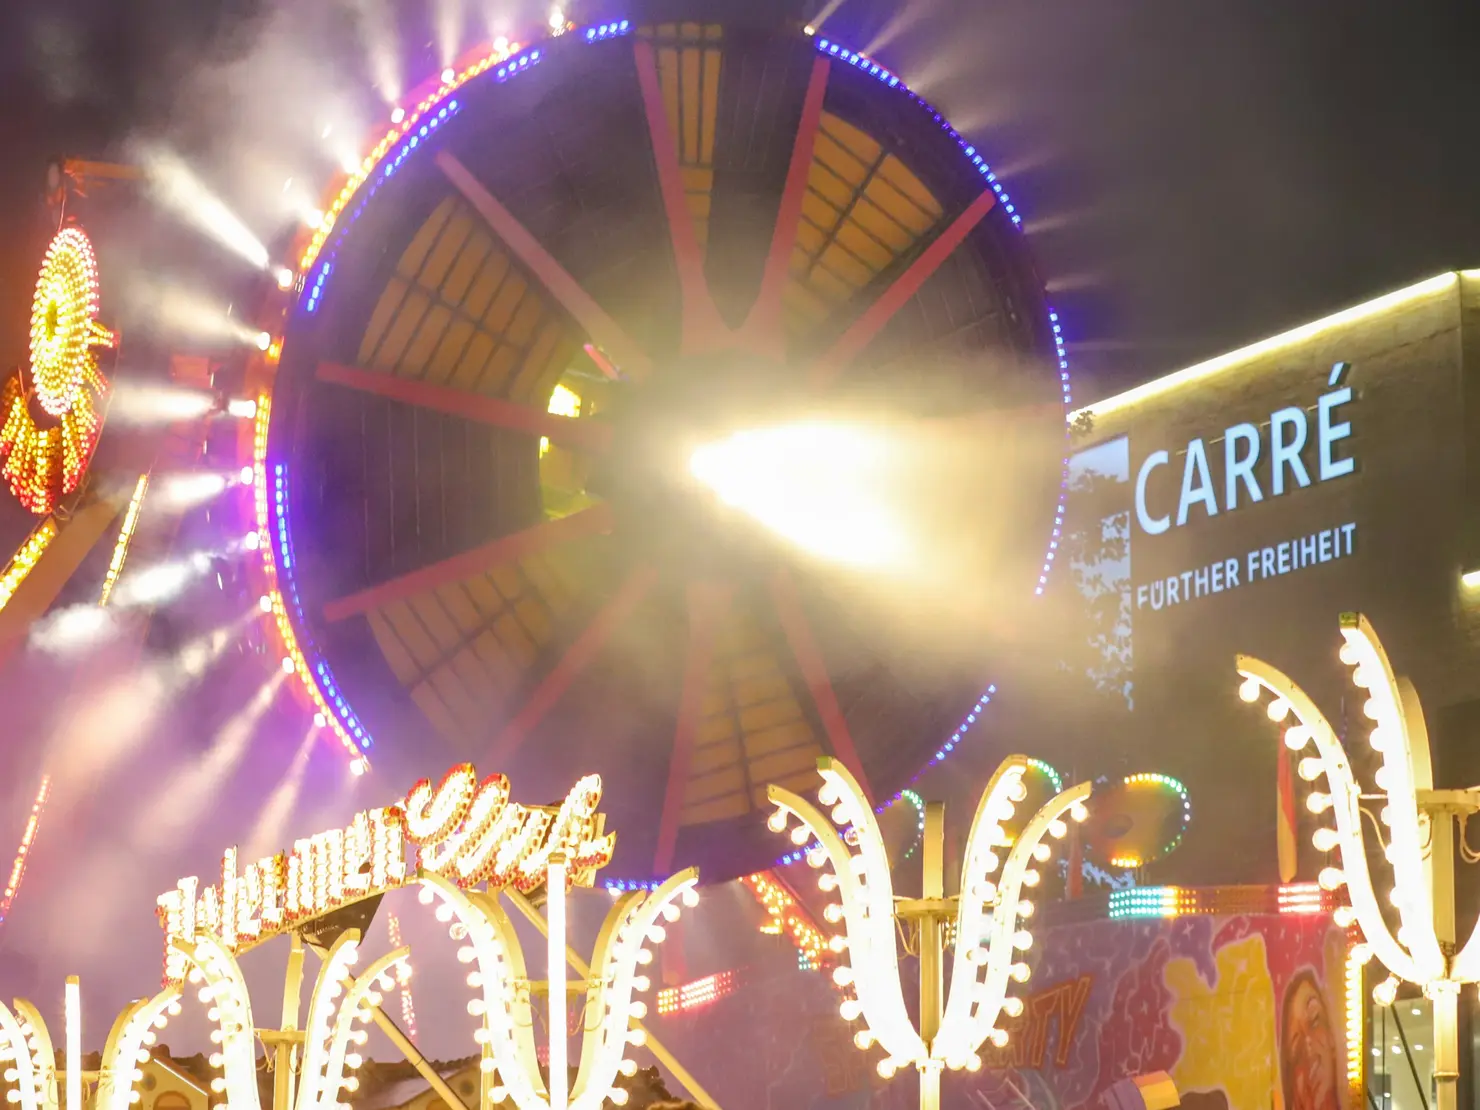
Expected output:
(466, 831)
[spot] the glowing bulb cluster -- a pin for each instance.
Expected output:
(25, 559)
(44, 461)
(848, 841)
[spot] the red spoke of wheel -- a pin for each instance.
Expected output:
(814, 672)
(591, 521)
(863, 330)
(601, 362)
(702, 327)
(708, 604)
(763, 326)
(557, 281)
(580, 435)
(576, 659)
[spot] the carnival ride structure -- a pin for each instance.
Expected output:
(565, 267)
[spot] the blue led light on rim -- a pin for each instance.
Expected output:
(288, 587)
(505, 71)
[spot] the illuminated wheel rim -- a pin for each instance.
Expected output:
(576, 227)
(49, 428)
(64, 326)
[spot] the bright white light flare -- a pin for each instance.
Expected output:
(816, 485)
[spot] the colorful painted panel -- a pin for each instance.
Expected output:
(1244, 1012)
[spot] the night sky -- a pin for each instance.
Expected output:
(1194, 176)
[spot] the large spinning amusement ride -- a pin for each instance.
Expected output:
(565, 267)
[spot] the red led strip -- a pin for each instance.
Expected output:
(696, 995)
(28, 838)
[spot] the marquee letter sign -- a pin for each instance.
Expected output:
(466, 831)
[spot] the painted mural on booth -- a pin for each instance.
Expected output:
(1244, 1012)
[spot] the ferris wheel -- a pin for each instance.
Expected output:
(563, 267)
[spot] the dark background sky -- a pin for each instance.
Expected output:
(1194, 175)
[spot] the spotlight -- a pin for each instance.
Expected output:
(357, 767)
(153, 404)
(557, 19)
(159, 583)
(447, 75)
(246, 475)
(243, 407)
(501, 44)
(184, 311)
(265, 603)
(398, 114)
(320, 721)
(177, 187)
(328, 130)
(314, 218)
(185, 491)
(263, 341)
(252, 541)
(288, 664)
(285, 278)
(73, 629)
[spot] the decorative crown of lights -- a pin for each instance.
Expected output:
(45, 446)
(1413, 951)
(987, 914)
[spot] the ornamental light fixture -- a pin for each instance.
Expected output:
(28, 1060)
(503, 1006)
(986, 914)
(50, 412)
(1415, 831)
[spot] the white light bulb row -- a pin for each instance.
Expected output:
(632, 926)
(362, 997)
(865, 906)
(1398, 779)
(971, 1015)
(21, 1067)
(123, 1059)
(505, 1018)
(229, 1007)
(1413, 954)
(319, 1087)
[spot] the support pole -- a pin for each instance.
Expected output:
(559, 1085)
(414, 1056)
(932, 857)
(1446, 994)
(666, 1058)
(285, 1052)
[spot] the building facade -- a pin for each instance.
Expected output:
(1243, 504)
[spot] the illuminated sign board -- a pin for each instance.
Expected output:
(1290, 434)
(1294, 449)
(464, 830)
(1256, 565)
